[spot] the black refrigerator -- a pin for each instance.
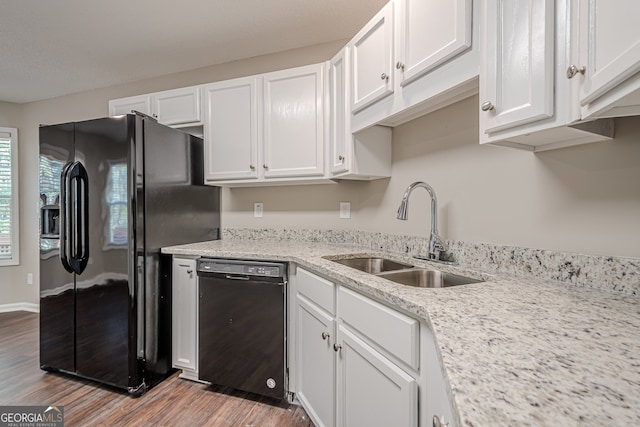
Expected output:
(113, 192)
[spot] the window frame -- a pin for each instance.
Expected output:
(14, 199)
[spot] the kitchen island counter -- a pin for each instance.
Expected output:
(515, 350)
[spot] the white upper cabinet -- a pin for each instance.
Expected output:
(176, 107)
(141, 103)
(231, 129)
(516, 80)
(293, 144)
(434, 31)
(372, 59)
(526, 101)
(363, 156)
(339, 112)
(267, 128)
(413, 57)
(609, 58)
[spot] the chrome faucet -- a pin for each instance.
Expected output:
(436, 245)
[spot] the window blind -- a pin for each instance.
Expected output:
(8, 198)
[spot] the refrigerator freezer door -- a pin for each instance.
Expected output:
(57, 299)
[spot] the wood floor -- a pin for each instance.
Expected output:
(174, 402)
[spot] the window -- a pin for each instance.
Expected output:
(116, 199)
(9, 248)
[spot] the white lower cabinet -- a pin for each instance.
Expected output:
(356, 362)
(372, 391)
(184, 317)
(316, 361)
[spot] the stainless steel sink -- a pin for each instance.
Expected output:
(423, 278)
(372, 265)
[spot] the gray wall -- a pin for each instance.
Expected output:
(582, 199)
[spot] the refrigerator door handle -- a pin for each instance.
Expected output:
(79, 180)
(65, 217)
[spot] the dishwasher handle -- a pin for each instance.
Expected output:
(236, 277)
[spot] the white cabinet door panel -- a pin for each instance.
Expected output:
(518, 76)
(371, 390)
(231, 130)
(185, 314)
(293, 123)
(434, 31)
(316, 362)
(372, 60)
(178, 106)
(121, 106)
(339, 113)
(609, 45)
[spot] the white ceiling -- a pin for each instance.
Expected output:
(50, 48)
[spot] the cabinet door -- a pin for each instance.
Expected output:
(372, 391)
(516, 71)
(429, 33)
(372, 60)
(185, 314)
(293, 144)
(339, 113)
(316, 362)
(121, 106)
(609, 45)
(231, 129)
(178, 106)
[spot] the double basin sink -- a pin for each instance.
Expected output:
(405, 274)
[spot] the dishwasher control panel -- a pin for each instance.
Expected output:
(249, 268)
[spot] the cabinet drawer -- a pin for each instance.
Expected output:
(394, 332)
(318, 290)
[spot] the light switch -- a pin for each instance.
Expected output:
(345, 210)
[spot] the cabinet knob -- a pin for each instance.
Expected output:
(341, 158)
(384, 76)
(439, 423)
(400, 65)
(573, 70)
(487, 106)
(252, 167)
(265, 167)
(189, 271)
(337, 347)
(325, 335)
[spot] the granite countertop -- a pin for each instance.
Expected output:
(515, 351)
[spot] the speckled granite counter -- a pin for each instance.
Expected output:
(515, 351)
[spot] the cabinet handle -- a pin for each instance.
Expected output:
(384, 76)
(325, 335)
(337, 347)
(155, 115)
(487, 106)
(573, 70)
(265, 167)
(252, 167)
(438, 423)
(341, 158)
(189, 271)
(400, 66)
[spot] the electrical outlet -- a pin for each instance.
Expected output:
(258, 209)
(345, 210)
(29, 279)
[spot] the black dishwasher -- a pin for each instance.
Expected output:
(242, 325)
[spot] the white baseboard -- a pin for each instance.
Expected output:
(20, 306)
